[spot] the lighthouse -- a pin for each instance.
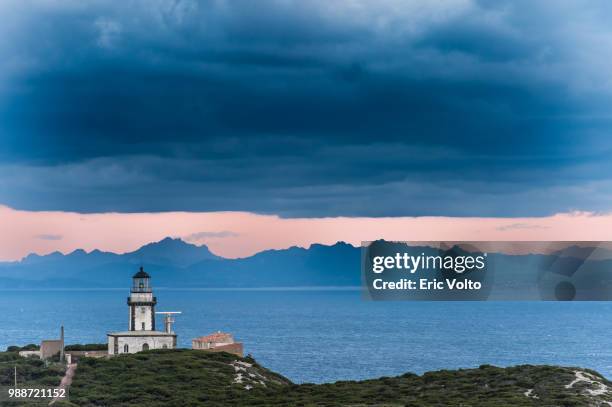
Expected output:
(141, 303)
(141, 334)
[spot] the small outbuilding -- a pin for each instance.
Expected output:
(218, 342)
(48, 348)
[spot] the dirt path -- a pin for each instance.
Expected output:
(66, 382)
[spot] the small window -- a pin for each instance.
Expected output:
(165, 347)
(145, 346)
(126, 348)
(143, 326)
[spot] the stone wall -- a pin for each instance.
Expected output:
(29, 353)
(75, 355)
(49, 348)
(235, 348)
(136, 343)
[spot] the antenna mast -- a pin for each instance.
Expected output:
(168, 319)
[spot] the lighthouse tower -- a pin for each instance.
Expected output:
(141, 303)
(141, 334)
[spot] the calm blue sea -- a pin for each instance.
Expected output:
(329, 335)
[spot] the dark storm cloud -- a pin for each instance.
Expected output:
(305, 108)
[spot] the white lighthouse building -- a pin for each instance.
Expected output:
(141, 334)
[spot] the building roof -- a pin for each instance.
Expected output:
(140, 333)
(216, 337)
(141, 274)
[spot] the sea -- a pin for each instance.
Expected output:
(326, 335)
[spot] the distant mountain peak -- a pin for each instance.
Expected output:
(173, 251)
(169, 241)
(338, 244)
(34, 257)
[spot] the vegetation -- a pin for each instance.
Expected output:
(185, 377)
(20, 348)
(31, 373)
(87, 347)
(194, 378)
(172, 377)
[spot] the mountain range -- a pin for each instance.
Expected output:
(176, 263)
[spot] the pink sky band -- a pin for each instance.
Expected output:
(240, 234)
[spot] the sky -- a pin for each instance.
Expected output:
(242, 234)
(305, 110)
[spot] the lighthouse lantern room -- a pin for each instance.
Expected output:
(141, 303)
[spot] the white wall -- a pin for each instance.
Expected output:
(142, 314)
(135, 343)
